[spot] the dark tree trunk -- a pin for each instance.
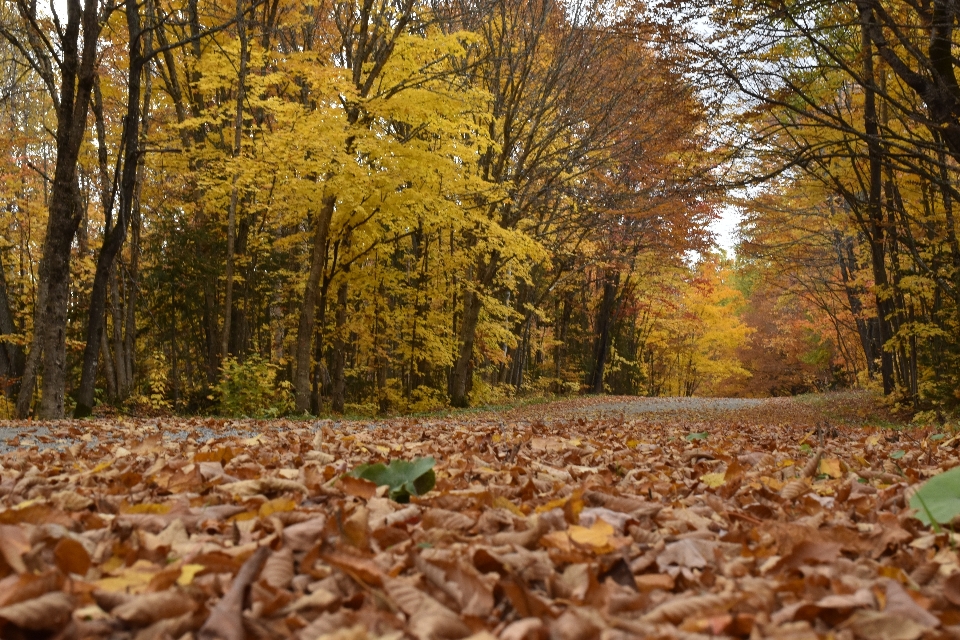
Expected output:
(461, 378)
(604, 330)
(338, 397)
(875, 213)
(11, 355)
(235, 191)
(308, 309)
(463, 368)
(78, 73)
(848, 267)
(560, 350)
(115, 236)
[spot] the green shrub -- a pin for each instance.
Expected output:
(250, 389)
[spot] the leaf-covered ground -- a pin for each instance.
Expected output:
(583, 519)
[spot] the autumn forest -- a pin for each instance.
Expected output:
(279, 207)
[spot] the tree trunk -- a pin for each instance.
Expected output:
(338, 397)
(875, 212)
(235, 192)
(116, 308)
(77, 76)
(11, 355)
(848, 266)
(115, 237)
(461, 378)
(463, 368)
(604, 330)
(109, 371)
(308, 309)
(560, 350)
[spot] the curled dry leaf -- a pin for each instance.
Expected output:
(150, 607)
(303, 536)
(49, 611)
(794, 489)
(70, 500)
(810, 469)
(427, 618)
(444, 519)
(679, 609)
(226, 619)
(266, 486)
(278, 569)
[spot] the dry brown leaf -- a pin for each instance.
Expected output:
(900, 603)
(266, 486)
(278, 569)
(13, 544)
(150, 607)
(305, 535)
(444, 519)
(427, 618)
(810, 469)
(71, 557)
(226, 619)
(70, 500)
(525, 629)
(873, 625)
(320, 600)
(678, 609)
(48, 612)
(794, 489)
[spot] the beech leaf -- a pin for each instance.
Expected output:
(404, 478)
(938, 499)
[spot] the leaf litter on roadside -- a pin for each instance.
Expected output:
(541, 525)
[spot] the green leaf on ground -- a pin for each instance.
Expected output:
(938, 499)
(702, 435)
(404, 478)
(899, 453)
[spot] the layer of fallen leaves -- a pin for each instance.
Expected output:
(539, 527)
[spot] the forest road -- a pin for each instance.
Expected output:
(849, 407)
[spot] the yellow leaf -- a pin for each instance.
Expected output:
(596, 537)
(713, 480)
(111, 565)
(188, 572)
(130, 580)
(496, 438)
(277, 505)
(146, 508)
(502, 503)
(559, 503)
(894, 573)
(773, 484)
(633, 444)
(102, 466)
(831, 467)
(557, 540)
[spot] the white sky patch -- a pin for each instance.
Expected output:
(726, 228)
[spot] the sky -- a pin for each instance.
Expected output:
(725, 228)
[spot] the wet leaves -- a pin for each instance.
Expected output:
(549, 523)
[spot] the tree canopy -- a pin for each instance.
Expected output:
(270, 206)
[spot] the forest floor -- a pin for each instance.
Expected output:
(588, 518)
